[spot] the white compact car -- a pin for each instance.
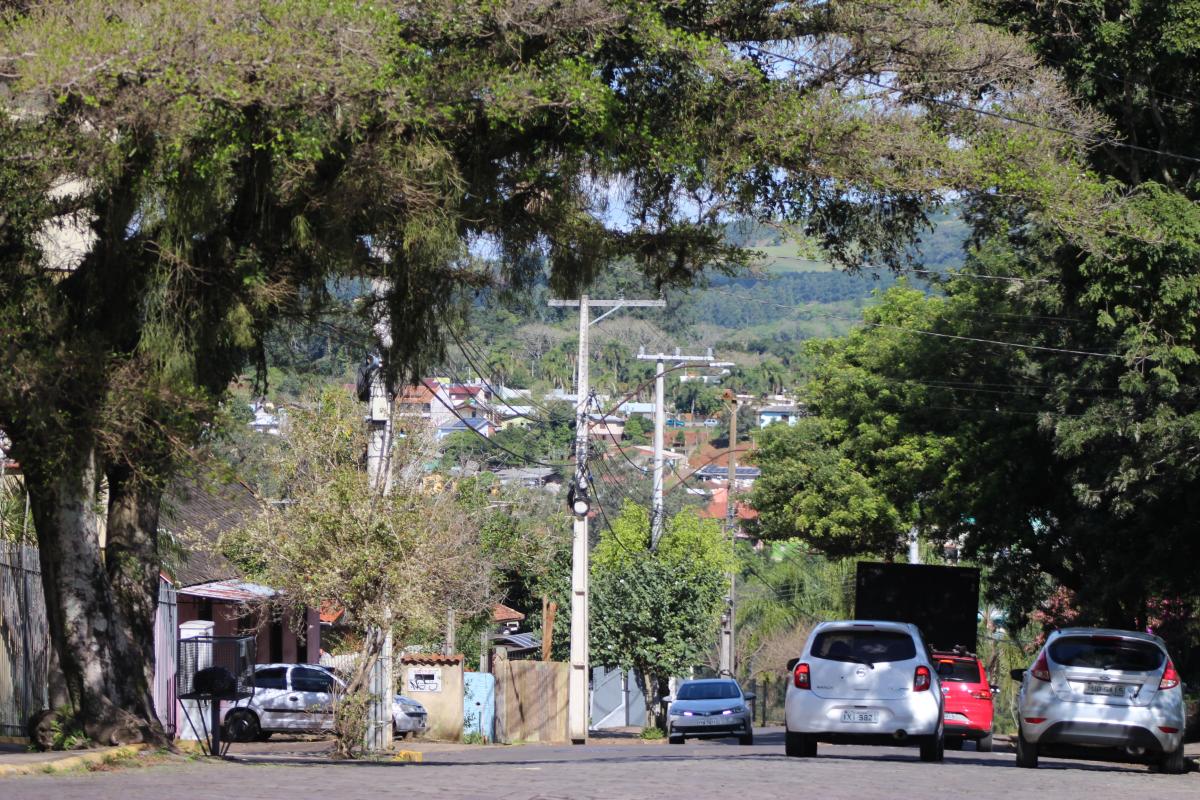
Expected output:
(864, 682)
(1102, 689)
(298, 698)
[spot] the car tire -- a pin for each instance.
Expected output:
(933, 748)
(1173, 763)
(954, 743)
(242, 726)
(748, 739)
(675, 739)
(984, 745)
(799, 745)
(1027, 752)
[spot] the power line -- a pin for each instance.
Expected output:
(1085, 138)
(996, 342)
(493, 442)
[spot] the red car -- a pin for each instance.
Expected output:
(968, 695)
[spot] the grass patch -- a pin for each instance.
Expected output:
(652, 734)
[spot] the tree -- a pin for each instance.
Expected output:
(213, 164)
(657, 612)
(395, 562)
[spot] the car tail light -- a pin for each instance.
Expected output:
(1167, 729)
(982, 695)
(1041, 669)
(801, 677)
(921, 679)
(1170, 678)
(1035, 720)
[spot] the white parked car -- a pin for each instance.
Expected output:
(1103, 690)
(298, 698)
(863, 682)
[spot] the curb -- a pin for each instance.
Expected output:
(14, 740)
(72, 762)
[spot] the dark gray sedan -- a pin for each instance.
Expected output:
(710, 707)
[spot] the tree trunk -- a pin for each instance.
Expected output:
(650, 691)
(132, 560)
(103, 669)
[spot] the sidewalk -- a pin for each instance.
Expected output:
(17, 759)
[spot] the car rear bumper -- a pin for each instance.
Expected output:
(1103, 725)
(917, 715)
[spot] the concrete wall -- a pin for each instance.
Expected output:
(436, 682)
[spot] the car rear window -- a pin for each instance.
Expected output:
(725, 690)
(953, 669)
(864, 646)
(1106, 652)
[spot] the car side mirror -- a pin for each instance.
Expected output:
(791, 664)
(1017, 674)
(748, 695)
(666, 698)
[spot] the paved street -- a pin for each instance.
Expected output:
(699, 770)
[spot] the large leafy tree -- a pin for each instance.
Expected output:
(657, 611)
(1056, 433)
(180, 176)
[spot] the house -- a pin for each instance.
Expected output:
(606, 426)
(481, 425)
(718, 508)
(267, 418)
(719, 474)
(788, 413)
(631, 407)
(209, 587)
(548, 478)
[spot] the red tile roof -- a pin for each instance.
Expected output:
(718, 507)
(502, 613)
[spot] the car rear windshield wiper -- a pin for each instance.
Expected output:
(856, 660)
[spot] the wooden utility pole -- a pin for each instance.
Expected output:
(549, 612)
(577, 703)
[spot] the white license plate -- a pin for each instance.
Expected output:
(1106, 689)
(866, 717)
(952, 716)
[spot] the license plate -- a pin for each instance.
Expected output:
(952, 716)
(868, 717)
(1106, 689)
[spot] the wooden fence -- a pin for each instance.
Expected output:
(531, 701)
(24, 639)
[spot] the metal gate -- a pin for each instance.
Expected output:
(24, 639)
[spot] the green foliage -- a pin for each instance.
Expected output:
(652, 734)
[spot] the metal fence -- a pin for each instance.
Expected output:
(769, 694)
(166, 636)
(24, 639)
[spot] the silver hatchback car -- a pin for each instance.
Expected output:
(710, 707)
(1102, 689)
(867, 683)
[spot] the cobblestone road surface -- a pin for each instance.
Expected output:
(612, 771)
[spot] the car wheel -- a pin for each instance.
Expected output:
(954, 743)
(1173, 763)
(933, 748)
(675, 739)
(242, 726)
(984, 745)
(1027, 752)
(799, 745)
(747, 739)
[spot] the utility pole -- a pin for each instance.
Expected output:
(657, 511)
(380, 414)
(727, 665)
(577, 695)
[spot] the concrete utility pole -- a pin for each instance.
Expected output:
(381, 407)
(577, 695)
(727, 665)
(657, 512)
